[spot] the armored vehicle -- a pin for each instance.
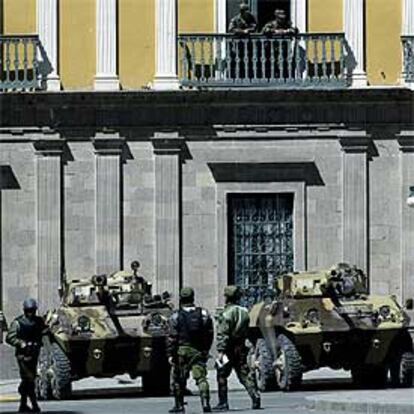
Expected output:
(106, 326)
(328, 319)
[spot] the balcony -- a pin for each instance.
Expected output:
(408, 53)
(19, 62)
(314, 60)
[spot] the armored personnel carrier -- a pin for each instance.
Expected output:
(328, 319)
(106, 326)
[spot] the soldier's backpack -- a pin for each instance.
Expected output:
(192, 326)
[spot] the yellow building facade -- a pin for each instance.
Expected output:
(136, 23)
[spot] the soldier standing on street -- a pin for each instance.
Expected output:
(189, 341)
(25, 334)
(232, 329)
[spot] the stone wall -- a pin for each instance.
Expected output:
(85, 200)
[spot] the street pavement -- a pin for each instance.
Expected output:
(323, 391)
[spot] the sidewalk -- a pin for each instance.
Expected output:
(387, 401)
(123, 383)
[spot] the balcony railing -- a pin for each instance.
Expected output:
(408, 52)
(304, 60)
(19, 62)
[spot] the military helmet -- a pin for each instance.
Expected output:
(232, 292)
(135, 265)
(243, 6)
(187, 294)
(29, 304)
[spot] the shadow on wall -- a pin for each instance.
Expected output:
(267, 172)
(8, 181)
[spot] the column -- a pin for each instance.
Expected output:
(106, 78)
(108, 252)
(299, 14)
(47, 28)
(167, 151)
(406, 141)
(355, 198)
(49, 183)
(166, 45)
(407, 29)
(354, 35)
(220, 12)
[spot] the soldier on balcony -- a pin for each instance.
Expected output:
(242, 24)
(280, 25)
(277, 60)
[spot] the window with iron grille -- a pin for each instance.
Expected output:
(260, 241)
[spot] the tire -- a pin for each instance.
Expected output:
(402, 370)
(42, 384)
(288, 365)
(156, 383)
(263, 367)
(60, 373)
(369, 376)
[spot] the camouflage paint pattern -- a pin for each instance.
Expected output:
(327, 328)
(123, 334)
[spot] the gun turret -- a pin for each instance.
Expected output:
(345, 281)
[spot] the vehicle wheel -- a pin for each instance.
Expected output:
(369, 376)
(156, 383)
(402, 370)
(60, 373)
(263, 367)
(288, 365)
(42, 384)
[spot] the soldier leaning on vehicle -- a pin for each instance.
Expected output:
(25, 334)
(232, 330)
(190, 337)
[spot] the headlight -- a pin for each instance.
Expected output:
(84, 323)
(313, 316)
(385, 311)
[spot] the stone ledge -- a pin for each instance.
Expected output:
(400, 401)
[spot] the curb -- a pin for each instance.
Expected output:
(328, 405)
(9, 398)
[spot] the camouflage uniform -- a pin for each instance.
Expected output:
(188, 349)
(25, 334)
(242, 24)
(239, 24)
(232, 330)
(280, 26)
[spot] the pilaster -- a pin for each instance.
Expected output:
(354, 34)
(47, 28)
(106, 78)
(406, 141)
(49, 180)
(108, 252)
(299, 11)
(407, 30)
(166, 77)
(355, 198)
(168, 148)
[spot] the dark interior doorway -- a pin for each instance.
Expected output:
(263, 10)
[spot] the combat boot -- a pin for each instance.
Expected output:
(256, 403)
(33, 400)
(223, 404)
(205, 403)
(255, 396)
(178, 405)
(23, 407)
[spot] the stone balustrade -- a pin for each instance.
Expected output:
(19, 62)
(303, 60)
